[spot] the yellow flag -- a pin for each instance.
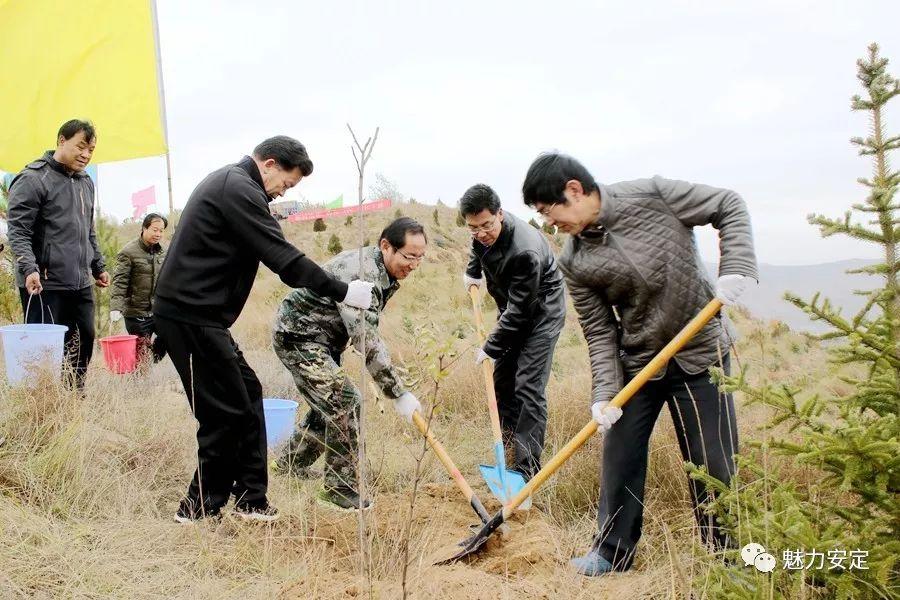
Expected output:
(92, 59)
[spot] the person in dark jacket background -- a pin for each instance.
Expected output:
(138, 265)
(224, 232)
(51, 233)
(524, 280)
(636, 279)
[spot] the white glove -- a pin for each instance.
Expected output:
(115, 316)
(730, 287)
(406, 405)
(470, 281)
(605, 415)
(481, 356)
(359, 294)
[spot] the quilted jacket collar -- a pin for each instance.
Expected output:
(606, 216)
(607, 207)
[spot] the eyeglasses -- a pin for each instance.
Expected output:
(412, 259)
(483, 228)
(545, 210)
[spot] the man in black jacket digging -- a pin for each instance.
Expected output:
(224, 232)
(524, 280)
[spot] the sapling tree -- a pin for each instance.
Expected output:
(850, 438)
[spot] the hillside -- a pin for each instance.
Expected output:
(830, 279)
(87, 488)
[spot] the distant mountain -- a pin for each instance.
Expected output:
(766, 301)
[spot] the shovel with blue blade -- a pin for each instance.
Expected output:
(474, 544)
(503, 483)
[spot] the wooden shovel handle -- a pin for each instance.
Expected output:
(657, 363)
(454, 472)
(442, 455)
(487, 368)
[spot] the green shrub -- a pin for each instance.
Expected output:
(334, 244)
(105, 230)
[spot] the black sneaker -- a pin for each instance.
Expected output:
(256, 512)
(186, 515)
(342, 499)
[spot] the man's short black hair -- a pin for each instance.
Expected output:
(478, 198)
(395, 232)
(73, 126)
(547, 177)
(287, 152)
(148, 220)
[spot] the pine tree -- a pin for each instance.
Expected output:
(4, 199)
(334, 244)
(105, 230)
(850, 438)
(319, 225)
(435, 217)
(348, 221)
(548, 229)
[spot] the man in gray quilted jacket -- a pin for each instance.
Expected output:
(635, 276)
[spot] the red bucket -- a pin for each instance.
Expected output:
(120, 353)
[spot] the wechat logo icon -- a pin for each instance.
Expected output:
(754, 554)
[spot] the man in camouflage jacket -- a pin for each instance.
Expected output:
(311, 333)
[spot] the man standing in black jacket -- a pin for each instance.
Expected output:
(224, 232)
(524, 280)
(51, 232)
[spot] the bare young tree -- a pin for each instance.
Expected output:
(362, 154)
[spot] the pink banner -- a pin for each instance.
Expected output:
(312, 215)
(143, 199)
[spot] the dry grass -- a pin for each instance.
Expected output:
(87, 487)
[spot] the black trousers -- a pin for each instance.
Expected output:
(706, 428)
(226, 399)
(144, 328)
(75, 310)
(520, 382)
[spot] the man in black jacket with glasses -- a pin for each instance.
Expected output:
(524, 280)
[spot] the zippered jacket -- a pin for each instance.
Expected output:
(51, 226)
(523, 278)
(636, 277)
(223, 234)
(134, 279)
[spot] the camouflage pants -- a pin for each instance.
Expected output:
(330, 425)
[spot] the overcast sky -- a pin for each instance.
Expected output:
(753, 96)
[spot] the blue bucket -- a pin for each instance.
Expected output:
(27, 348)
(280, 417)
